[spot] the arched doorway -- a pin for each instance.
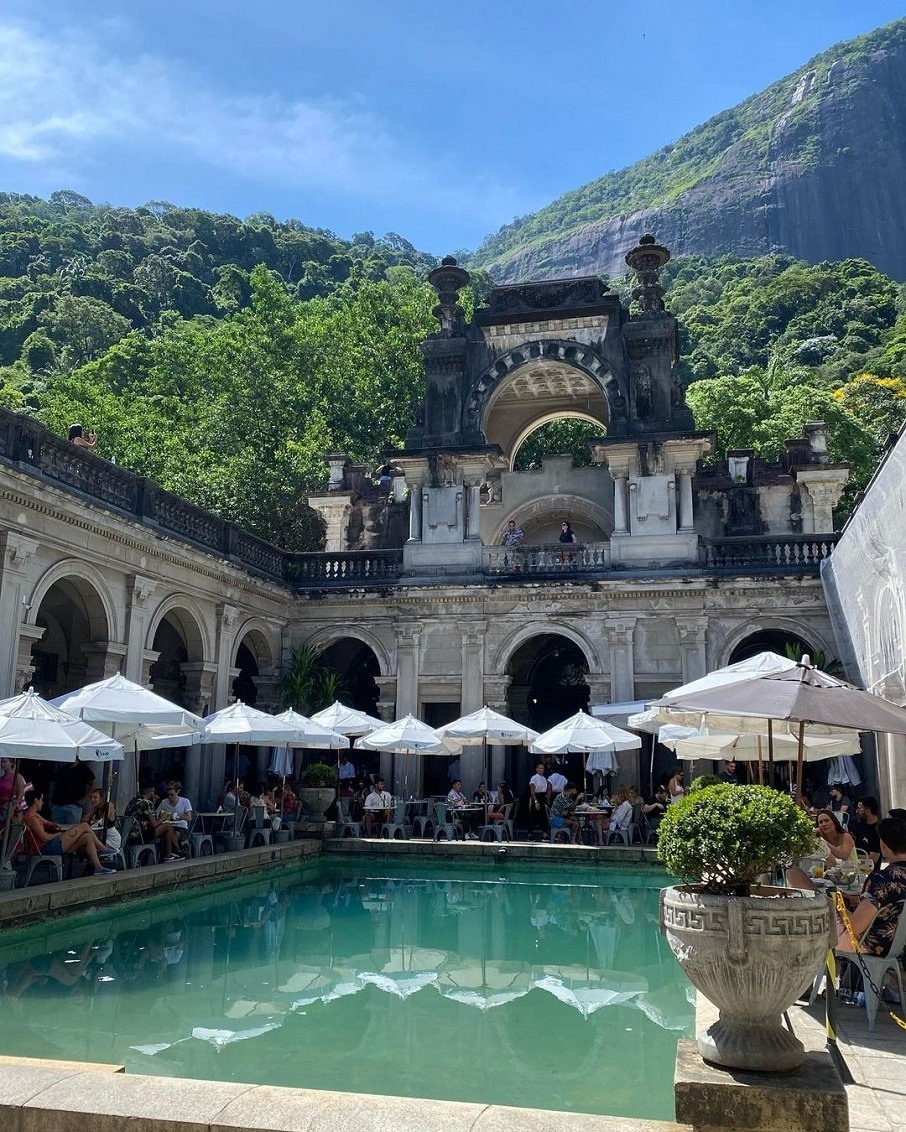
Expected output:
(177, 642)
(357, 668)
(773, 640)
(245, 687)
(548, 684)
(71, 651)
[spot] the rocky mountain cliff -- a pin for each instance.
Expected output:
(814, 166)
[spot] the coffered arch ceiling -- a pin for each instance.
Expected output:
(538, 392)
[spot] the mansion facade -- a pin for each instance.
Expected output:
(679, 565)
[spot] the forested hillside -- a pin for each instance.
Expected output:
(814, 166)
(228, 380)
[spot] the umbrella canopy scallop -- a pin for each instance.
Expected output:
(33, 728)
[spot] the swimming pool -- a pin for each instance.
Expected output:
(511, 985)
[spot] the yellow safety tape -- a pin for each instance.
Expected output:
(840, 905)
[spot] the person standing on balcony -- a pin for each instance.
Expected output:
(566, 532)
(513, 535)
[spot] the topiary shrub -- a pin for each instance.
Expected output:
(702, 781)
(318, 776)
(723, 837)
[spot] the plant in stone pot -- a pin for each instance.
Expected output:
(319, 781)
(749, 948)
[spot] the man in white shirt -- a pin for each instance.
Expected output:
(538, 798)
(377, 807)
(457, 801)
(347, 769)
(556, 781)
(176, 812)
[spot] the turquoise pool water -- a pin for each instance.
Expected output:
(518, 986)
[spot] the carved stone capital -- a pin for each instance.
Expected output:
(140, 588)
(408, 636)
(17, 549)
(227, 616)
(692, 630)
(620, 630)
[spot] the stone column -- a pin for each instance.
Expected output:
(472, 762)
(415, 512)
(15, 594)
(198, 786)
(212, 757)
(473, 515)
(138, 593)
(103, 659)
(408, 638)
(335, 510)
(620, 504)
(29, 635)
(686, 509)
(495, 696)
(692, 630)
(620, 630)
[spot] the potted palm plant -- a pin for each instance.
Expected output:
(749, 948)
(319, 781)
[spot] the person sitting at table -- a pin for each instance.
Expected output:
(102, 819)
(562, 812)
(377, 807)
(621, 817)
(839, 845)
(12, 788)
(875, 917)
(501, 798)
(458, 803)
(482, 794)
(142, 808)
(173, 815)
(676, 786)
(866, 833)
(840, 801)
(46, 838)
(288, 802)
(347, 772)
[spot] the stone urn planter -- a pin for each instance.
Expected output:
(317, 800)
(750, 949)
(751, 956)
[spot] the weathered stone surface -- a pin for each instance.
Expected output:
(709, 1098)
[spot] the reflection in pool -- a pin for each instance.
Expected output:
(452, 982)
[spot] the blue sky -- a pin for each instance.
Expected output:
(440, 122)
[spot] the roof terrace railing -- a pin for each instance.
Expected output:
(28, 445)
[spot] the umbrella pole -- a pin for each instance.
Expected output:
(760, 763)
(770, 752)
(800, 758)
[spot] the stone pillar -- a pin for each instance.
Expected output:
(29, 635)
(620, 504)
(415, 512)
(620, 630)
(335, 509)
(198, 787)
(495, 696)
(138, 592)
(473, 515)
(824, 486)
(473, 761)
(686, 509)
(103, 659)
(692, 631)
(408, 639)
(15, 594)
(598, 689)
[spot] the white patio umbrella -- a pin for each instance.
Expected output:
(241, 723)
(131, 712)
(32, 728)
(801, 695)
(483, 983)
(483, 727)
(314, 735)
(346, 720)
(585, 734)
(747, 747)
(406, 736)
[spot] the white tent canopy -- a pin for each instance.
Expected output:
(582, 734)
(240, 723)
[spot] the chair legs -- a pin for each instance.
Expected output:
(33, 863)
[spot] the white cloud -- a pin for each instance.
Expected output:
(66, 99)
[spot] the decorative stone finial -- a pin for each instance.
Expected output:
(646, 260)
(448, 280)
